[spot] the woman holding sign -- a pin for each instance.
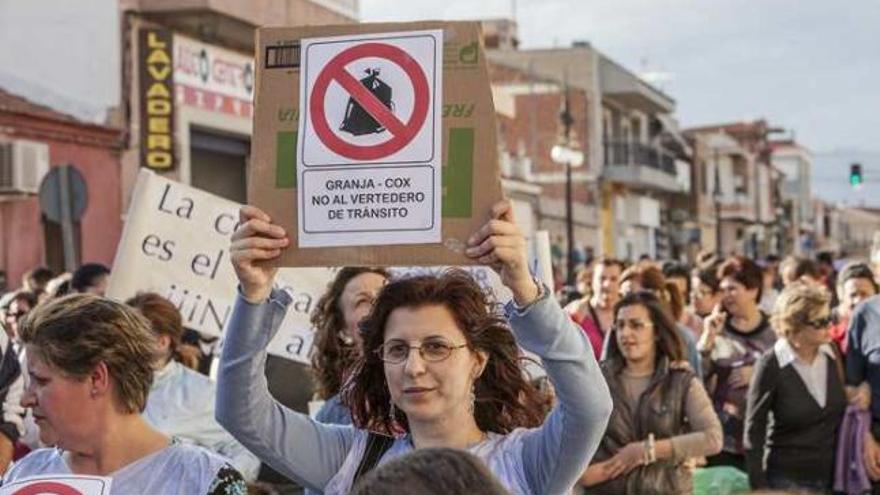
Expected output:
(90, 365)
(439, 369)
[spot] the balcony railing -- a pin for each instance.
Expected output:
(630, 153)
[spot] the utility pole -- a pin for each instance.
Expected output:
(716, 195)
(567, 120)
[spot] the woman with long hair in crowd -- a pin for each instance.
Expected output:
(734, 336)
(662, 415)
(796, 397)
(648, 277)
(181, 400)
(335, 319)
(440, 369)
(90, 365)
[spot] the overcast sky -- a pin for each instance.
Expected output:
(812, 66)
(808, 65)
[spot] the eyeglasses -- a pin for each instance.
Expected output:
(634, 324)
(820, 323)
(434, 350)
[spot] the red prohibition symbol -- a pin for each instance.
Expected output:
(402, 132)
(48, 487)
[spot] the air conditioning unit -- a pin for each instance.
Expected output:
(23, 164)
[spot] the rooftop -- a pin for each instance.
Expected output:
(13, 103)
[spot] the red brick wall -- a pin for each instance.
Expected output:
(536, 128)
(94, 152)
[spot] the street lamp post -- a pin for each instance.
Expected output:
(569, 227)
(564, 154)
(716, 195)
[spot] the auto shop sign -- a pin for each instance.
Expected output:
(213, 78)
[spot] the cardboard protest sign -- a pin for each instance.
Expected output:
(357, 139)
(368, 163)
(67, 484)
(176, 242)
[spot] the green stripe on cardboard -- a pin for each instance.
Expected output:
(458, 175)
(285, 160)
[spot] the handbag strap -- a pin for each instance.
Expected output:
(377, 445)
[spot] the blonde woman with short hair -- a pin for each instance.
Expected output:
(799, 382)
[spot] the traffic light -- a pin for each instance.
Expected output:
(855, 175)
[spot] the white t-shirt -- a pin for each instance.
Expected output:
(176, 469)
(501, 453)
(814, 375)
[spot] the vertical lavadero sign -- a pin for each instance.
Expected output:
(369, 160)
(156, 84)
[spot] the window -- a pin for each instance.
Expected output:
(219, 164)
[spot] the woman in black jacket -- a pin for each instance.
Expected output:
(798, 381)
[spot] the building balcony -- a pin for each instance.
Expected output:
(641, 166)
(738, 207)
(627, 89)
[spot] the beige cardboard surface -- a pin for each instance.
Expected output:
(471, 181)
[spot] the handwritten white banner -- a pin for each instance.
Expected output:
(176, 243)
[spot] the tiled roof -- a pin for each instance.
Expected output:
(16, 104)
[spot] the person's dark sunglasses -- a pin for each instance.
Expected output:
(821, 323)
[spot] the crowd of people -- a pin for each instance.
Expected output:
(655, 377)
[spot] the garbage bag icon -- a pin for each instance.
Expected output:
(358, 121)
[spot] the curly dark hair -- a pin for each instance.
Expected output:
(669, 343)
(331, 358)
(505, 397)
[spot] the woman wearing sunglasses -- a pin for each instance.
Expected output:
(439, 369)
(662, 414)
(799, 383)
